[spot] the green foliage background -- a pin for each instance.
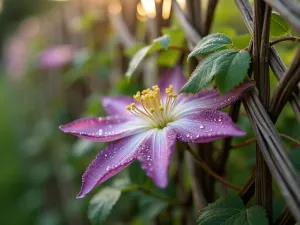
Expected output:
(41, 167)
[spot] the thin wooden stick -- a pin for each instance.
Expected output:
(205, 167)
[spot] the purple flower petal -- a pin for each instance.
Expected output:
(173, 76)
(104, 129)
(117, 105)
(56, 57)
(156, 153)
(205, 126)
(211, 99)
(114, 158)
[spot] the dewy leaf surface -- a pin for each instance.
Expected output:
(211, 43)
(230, 210)
(158, 44)
(235, 73)
(163, 41)
(170, 58)
(279, 27)
(216, 64)
(102, 203)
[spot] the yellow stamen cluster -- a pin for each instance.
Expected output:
(153, 106)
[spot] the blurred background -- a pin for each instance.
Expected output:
(57, 59)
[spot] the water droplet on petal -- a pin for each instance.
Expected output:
(202, 126)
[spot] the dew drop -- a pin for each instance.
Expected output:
(202, 126)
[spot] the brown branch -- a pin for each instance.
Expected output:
(276, 63)
(251, 140)
(273, 151)
(285, 218)
(293, 39)
(248, 190)
(288, 9)
(209, 16)
(261, 29)
(285, 88)
(205, 167)
(222, 158)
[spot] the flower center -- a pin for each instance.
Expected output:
(153, 107)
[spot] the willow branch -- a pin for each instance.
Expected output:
(248, 190)
(205, 167)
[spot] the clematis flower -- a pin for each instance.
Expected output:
(146, 128)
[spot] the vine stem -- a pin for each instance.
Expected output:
(249, 141)
(179, 48)
(152, 194)
(205, 167)
(285, 39)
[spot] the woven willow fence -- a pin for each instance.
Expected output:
(262, 109)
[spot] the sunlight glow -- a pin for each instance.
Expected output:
(182, 3)
(115, 7)
(166, 9)
(140, 12)
(149, 7)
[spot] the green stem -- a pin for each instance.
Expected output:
(179, 48)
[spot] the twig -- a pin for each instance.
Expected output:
(249, 141)
(204, 166)
(290, 138)
(293, 39)
(150, 193)
(210, 11)
(248, 190)
(285, 217)
(285, 88)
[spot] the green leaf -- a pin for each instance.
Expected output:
(102, 203)
(279, 27)
(230, 201)
(133, 49)
(172, 36)
(241, 41)
(170, 58)
(136, 174)
(230, 210)
(158, 44)
(163, 41)
(150, 207)
(216, 64)
(229, 31)
(236, 71)
(81, 147)
(137, 59)
(210, 43)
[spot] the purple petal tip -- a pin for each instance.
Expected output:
(80, 195)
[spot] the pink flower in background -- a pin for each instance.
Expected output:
(56, 57)
(15, 56)
(146, 128)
